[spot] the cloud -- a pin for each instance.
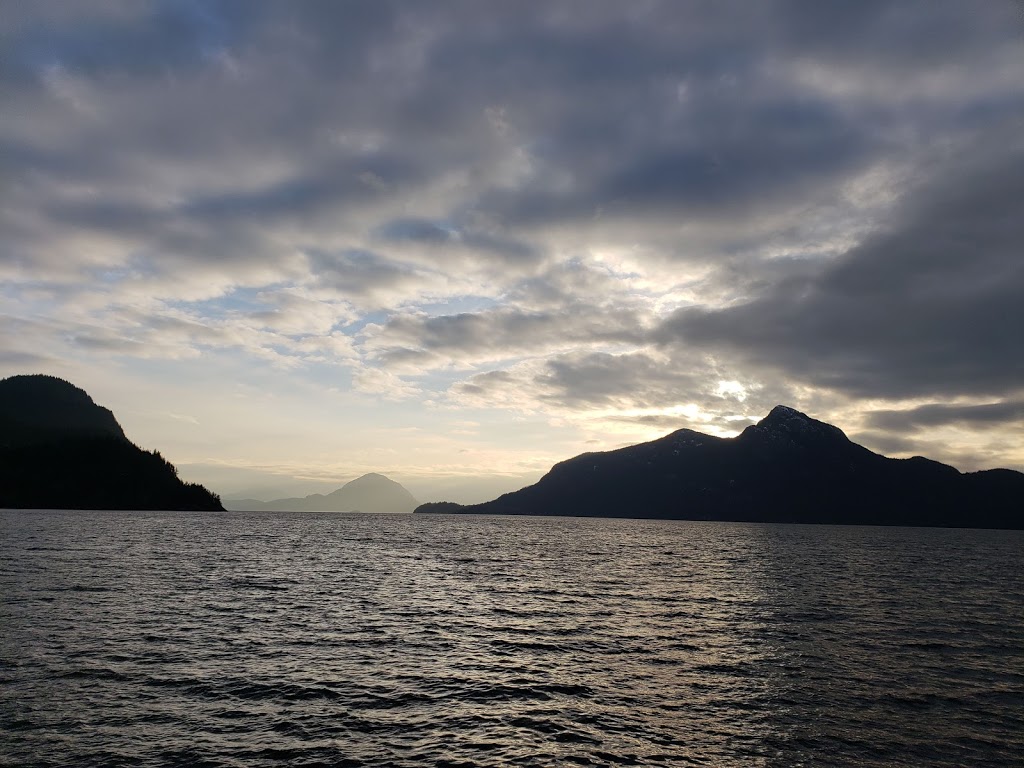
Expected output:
(363, 275)
(638, 387)
(943, 414)
(383, 124)
(928, 306)
(382, 384)
(624, 381)
(14, 359)
(889, 444)
(422, 341)
(454, 235)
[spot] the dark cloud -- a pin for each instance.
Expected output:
(646, 380)
(638, 388)
(887, 443)
(631, 380)
(942, 414)
(484, 383)
(722, 155)
(19, 360)
(665, 112)
(498, 334)
(711, 122)
(349, 181)
(454, 236)
(103, 40)
(671, 423)
(358, 273)
(416, 230)
(122, 216)
(570, 284)
(909, 34)
(744, 151)
(929, 306)
(107, 342)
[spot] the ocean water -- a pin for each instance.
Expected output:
(266, 639)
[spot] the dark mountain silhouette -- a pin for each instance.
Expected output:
(369, 493)
(41, 409)
(59, 450)
(786, 468)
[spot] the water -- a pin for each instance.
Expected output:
(155, 639)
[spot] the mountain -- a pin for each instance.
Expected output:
(369, 493)
(60, 450)
(41, 409)
(786, 468)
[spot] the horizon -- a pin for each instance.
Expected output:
(288, 245)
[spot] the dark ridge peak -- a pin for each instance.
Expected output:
(785, 412)
(784, 422)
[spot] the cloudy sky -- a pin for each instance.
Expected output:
(288, 243)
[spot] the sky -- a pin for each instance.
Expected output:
(288, 243)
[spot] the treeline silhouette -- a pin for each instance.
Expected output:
(95, 473)
(60, 450)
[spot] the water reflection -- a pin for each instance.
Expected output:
(400, 640)
(877, 643)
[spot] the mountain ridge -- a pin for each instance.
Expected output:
(788, 467)
(372, 492)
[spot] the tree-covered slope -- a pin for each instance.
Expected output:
(60, 450)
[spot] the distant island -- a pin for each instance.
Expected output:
(786, 468)
(369, 493)
(60, 450)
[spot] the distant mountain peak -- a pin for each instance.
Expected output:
(371, 477)
(372, 492)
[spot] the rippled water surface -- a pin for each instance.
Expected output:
(238, 639)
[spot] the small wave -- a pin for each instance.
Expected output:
(276, 585)
(412, 647)
(97, 673)
(527, 646)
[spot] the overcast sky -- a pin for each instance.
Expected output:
(288, 243)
